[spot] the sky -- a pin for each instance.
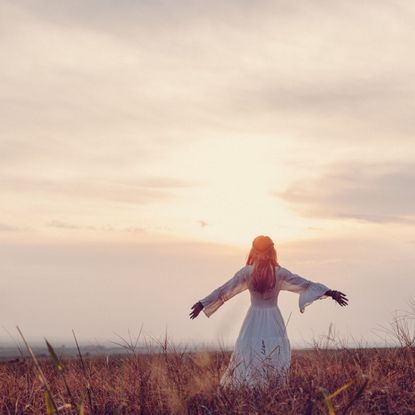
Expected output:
(143, 145)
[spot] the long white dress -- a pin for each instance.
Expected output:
(262, 351)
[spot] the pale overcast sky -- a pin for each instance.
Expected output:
(143, 145)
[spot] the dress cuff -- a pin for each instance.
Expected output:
(209, 309)
(314, 292)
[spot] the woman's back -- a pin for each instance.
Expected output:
(267, 298)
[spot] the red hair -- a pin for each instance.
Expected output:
(263, 257)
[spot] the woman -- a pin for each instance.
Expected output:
(262, 351)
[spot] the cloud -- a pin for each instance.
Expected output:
(379, 101)
(202, 223)
(139, 191)
(73, 227)
(378, 193)
(68, 226)
(9, 228)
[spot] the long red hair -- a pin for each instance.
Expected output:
(263, 256)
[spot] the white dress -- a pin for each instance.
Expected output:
(262, 350)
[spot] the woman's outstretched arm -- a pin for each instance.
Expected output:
(216, 298)
(309, 291)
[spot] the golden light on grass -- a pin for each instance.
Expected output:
(166, 380)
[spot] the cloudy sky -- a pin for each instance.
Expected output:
(143, 145)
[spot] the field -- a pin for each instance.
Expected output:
(322, 381)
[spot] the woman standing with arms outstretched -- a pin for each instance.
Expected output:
(262, 350)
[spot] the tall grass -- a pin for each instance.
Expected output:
(167, 380)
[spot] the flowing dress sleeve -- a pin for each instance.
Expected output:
(216, 298)
(309, 291)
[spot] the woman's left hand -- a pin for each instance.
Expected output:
(338, 296)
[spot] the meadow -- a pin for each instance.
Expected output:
(348, 381)
(167, 380)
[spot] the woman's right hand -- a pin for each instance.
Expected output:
(196, 309)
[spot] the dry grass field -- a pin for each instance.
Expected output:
(166, 380)
(352, 381)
